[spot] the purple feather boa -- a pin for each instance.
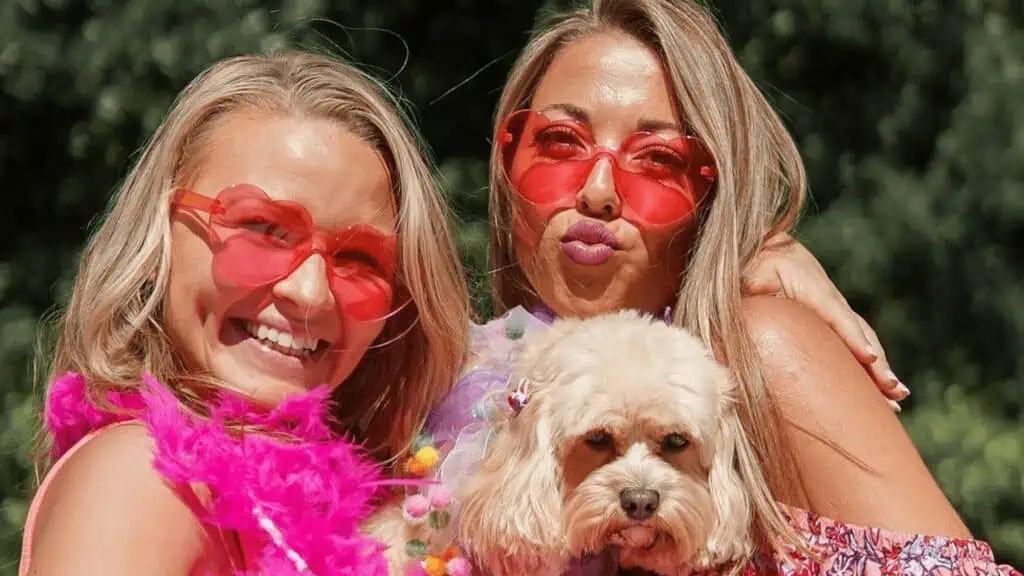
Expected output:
(298, 502)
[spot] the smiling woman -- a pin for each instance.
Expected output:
(258, 335)
(275, 277)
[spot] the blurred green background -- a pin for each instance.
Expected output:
(910, 116)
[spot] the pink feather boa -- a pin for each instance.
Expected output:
(301, 502)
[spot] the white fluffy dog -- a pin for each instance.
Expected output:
(628, 440)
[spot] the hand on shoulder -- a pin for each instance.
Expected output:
(856, 462)
(107, 511)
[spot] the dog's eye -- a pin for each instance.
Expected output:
(599, 440)
(674, 443)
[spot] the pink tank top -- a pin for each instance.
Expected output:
(219, 557)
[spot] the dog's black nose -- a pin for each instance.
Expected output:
(639, 503)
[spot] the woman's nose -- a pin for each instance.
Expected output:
(307, 288)
(598, 197)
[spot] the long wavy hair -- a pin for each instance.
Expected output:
(759, 192)
(111, 329)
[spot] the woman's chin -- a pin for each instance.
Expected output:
(264, 369)
(260, 374)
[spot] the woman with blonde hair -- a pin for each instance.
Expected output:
(280, 231)
(274, 278)
(636, 165)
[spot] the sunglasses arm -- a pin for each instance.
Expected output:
(188, 199)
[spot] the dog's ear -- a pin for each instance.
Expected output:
(731, 537)
(510, 515)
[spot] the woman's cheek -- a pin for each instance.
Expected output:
(668, 250)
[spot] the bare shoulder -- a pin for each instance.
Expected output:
(857, 463)
(107, 511)
(792, 339)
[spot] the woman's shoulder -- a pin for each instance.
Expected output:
(850, 549)
(797, 348)
(199, 472)
(111, 462)
(807, 366)
(103, 497)
(848, 445)
(110, 466)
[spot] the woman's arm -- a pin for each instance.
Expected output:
(108, 512)
(856, 462)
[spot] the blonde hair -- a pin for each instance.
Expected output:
(760, 189)
(111, 330)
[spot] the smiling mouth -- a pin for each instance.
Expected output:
(283, 342)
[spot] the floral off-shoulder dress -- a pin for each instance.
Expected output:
(458, 431)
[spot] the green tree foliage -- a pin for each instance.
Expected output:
(908, 114)
(910, 118)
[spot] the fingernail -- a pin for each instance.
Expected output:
(895, 406)
(897, 385)
(871, 352)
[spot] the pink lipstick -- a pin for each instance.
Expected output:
(588, 243)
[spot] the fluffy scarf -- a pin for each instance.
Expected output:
(295, 493)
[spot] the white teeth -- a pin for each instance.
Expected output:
(285, 341)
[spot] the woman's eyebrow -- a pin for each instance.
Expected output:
(575, 112)
(643, 125)
(650, 125)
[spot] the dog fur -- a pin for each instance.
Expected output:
(544, 495)
(610, 398)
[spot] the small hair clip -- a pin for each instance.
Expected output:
(520, 397)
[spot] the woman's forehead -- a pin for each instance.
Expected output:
(337, 176)
(608, 79)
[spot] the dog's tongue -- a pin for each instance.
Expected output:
(634, 537)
